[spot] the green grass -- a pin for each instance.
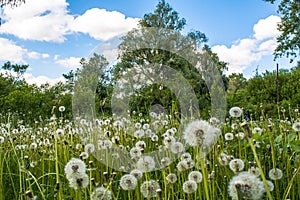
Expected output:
(40, 172)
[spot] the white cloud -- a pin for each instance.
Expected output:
(31, 79)
(9, 51)
(41, 20)
(40, 80)
(248, 50)
(71, 62)
(103, 25)
(266, 28)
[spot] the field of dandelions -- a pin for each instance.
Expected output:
(241, 158)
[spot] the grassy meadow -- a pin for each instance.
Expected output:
(49, 159)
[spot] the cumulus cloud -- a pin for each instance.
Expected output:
(10, 51)
(71, 62)
(31, 79)
(245, 51)
(102, 24)
(41, 20)
(40, 80)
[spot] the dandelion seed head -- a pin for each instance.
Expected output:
(296, 126)
(235, 112)
(275, 174)
(79, 181)
(137, 173)
(189, 186)
(171, 178)
(228, 136)
(200, 133)
(74, 166)
(236, 165)
(195, 176)
(128, 182)
(149, 188)
(145, 164)
(177, 147)
(101, 193)
(246, 186)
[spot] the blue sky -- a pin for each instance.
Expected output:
(52, 35)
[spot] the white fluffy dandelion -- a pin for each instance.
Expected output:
(275, 174)
(146, 164)
(296, 126)
(149, 188)
(101, 193)
(128, 182)
(235, 112)
(200, 133)
(171, 178)
(189, 186)
(74, 166)
(246, 186)
(228, 136)
(79, 181)
(195, 176)
(177, 147)
(236, 165)
(138, 174)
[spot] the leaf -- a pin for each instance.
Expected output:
(278, 139)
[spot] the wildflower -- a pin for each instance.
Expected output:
(275, 174)
(246, 186)
(254, 170)
(168, 140)
(214, 121)
(146, 164)
(101, 193)
(74, 166)
(195, 176)
(137, 174)
(60, 132)
(118, 124)
(138, 125)
(240, 135)
(236, 165)
(135, 152)
(140, 144)
(171, 178)
(128, 182)
(146, 126)
(228, 136)
(185, 156)
(33, 146)
(257, 130)
(139, 133)
(200, 133)
(224, 158)
(189, 186)
(235, 112)
(61, 108)
(154, 138)
(84, 155)
(89, 148)
(2, 139)
(296, 126)
(164, 162)
(79, 181)
(177, 147)
(149, 188)
(185, 164)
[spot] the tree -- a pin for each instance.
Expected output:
(12, 3)
(289, 40)
(158, 43)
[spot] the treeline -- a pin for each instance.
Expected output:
(20, 100)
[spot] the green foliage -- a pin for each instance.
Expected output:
(289, 40)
